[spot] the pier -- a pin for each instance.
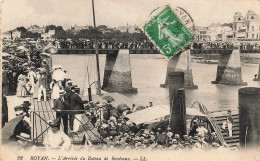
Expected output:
(150, 51)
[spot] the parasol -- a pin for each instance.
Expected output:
(140, 108)
(59, 75)
(108, 98)
(45, 55)
(52, 50)
(122, 107)
(57, 66)
(9, 129)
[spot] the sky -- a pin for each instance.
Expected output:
(114, 13)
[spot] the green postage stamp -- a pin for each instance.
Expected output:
(168, 32)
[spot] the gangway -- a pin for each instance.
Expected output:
(216, 119)
(42, 112)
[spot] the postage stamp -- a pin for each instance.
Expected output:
(168, 32)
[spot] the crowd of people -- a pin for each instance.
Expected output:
(34, 76)
(226, 45)
(20, 76)
(117, 131)
(103, 44)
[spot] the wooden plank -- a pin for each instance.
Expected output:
(43, 109)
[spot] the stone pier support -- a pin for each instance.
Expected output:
(181, 63)
(229, 69)
(117, 75)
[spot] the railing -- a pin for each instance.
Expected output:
(35, 114)
(212, 121)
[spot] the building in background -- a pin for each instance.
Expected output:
(129, 29)
(246, 27)
(16, 34)
(48, 35)
(7, 35)
(202, 33)
(36, 29)
(214, 32)
(78, 28)
(243, 28)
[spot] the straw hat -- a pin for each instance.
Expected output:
(18, 110)
(62, 92)
(53, 123)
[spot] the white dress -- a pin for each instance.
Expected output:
(32, 77)
(55, 89)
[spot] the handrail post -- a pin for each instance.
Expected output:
(33, 127)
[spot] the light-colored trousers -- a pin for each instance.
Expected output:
(76, 122)
(229, 124)
(42, 89)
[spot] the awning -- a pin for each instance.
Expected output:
(149, 115)
(194, 112)
(157, 113)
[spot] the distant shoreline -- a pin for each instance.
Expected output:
(250, 58)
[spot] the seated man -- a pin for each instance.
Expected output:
(201, 131)
(56, 138)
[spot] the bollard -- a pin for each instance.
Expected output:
(249, 117)
(258, 76)
(177, 103)
(89, 94)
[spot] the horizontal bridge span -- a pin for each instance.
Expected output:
(106, 51)
(148, 51)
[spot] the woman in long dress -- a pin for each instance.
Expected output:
(32, 77)
(55, 87)
(21, 89)
(36, 85)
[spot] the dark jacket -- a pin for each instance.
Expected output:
(67, 98)
(161, 139)
(43, 81)
(4, 111)
(77, 103)
(58, 104)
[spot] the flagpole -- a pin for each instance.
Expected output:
(96, 49)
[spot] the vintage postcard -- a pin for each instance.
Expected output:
(130, 80)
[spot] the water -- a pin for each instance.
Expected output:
(149, 71)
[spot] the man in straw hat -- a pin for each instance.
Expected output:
(42, 85)
(58, 107)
